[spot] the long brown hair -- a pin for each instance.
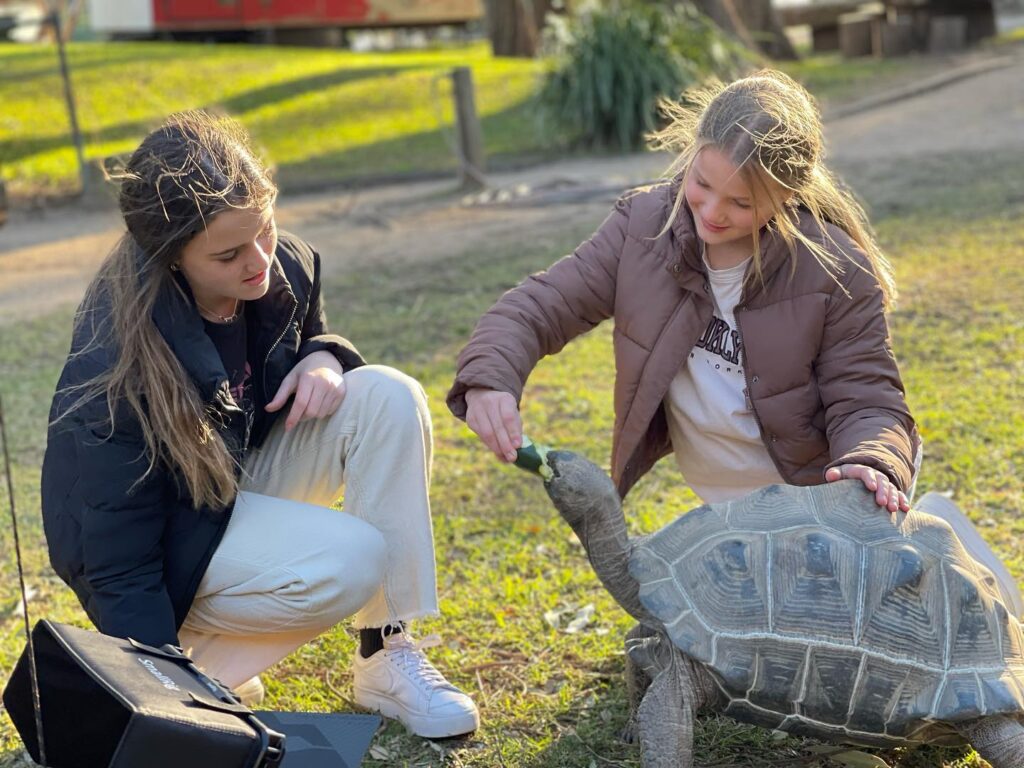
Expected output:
(770, 128)
(182, 175)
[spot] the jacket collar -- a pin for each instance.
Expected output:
(692, 274)
(178, 321)
(273, 309)
(176, 317)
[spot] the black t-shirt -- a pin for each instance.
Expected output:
(231, 341)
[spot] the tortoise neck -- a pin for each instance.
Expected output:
(600, 526)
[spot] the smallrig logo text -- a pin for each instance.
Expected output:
(165, 681)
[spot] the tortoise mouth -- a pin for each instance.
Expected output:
(551, 460)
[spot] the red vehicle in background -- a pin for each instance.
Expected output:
(268, 18)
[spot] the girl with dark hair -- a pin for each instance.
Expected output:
(749, 300)
(204, 423)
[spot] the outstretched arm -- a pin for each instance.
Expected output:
(537, 318)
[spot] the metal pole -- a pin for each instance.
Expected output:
(31, 650)
(470, 137)
(3, 202)
(69, 96)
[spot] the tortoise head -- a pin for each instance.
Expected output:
(580, 489)
(586, 497)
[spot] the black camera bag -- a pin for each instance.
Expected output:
(106, 702)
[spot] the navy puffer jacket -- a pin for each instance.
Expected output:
(134, 552)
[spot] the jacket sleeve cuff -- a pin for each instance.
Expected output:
(342, 349)
(143, 615)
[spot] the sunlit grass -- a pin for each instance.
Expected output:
(549, 699)
(314, 111)
(321, 116)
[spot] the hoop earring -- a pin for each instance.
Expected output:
(174, 268)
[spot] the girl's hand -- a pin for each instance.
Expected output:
(494, 416)
(886, 494)
(318, 386)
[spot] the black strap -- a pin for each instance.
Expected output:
(33, 673)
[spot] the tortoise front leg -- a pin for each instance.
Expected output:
(637, 680)
(998, 739)
(665, 721)
(666, 714)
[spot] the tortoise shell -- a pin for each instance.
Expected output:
(820, 615)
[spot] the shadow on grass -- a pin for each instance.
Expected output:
(422, 154)
(42, 61)
(272, 94)
(13, 150)
(425, 152)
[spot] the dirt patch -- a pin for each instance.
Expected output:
(48, 256)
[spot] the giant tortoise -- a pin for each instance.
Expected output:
(808, 610)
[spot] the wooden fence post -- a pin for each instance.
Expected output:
(69, 97)
(470, 140)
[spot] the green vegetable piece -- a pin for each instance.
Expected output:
(533, 458)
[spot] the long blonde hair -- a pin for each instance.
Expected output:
(770, 128)
(182, 175)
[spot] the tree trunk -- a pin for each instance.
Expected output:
(753, 22)
(514, 25)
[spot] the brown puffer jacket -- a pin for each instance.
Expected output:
(821, 377)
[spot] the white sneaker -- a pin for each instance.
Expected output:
(400, 683)
(251, 692)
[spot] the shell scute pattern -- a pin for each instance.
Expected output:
(832, 677)
(878, 693)
(736, 662)
(778, 676)
(960, 695)
(975, 639)
(809, 568)
(999, 691)
(772, 509)
(735, 595)
(818, 615)
(905, 609)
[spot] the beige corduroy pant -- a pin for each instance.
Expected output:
(289, 567)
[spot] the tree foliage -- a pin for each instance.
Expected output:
(613, 63)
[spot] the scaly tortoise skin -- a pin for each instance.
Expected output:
(805, 609)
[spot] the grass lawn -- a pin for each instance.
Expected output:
(550, 699)
(322, 116)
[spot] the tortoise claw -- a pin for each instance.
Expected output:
(630, 734)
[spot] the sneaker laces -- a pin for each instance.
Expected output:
(408, 655)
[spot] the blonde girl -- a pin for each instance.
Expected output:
(749, 299)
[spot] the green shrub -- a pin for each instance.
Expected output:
(613, 62)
